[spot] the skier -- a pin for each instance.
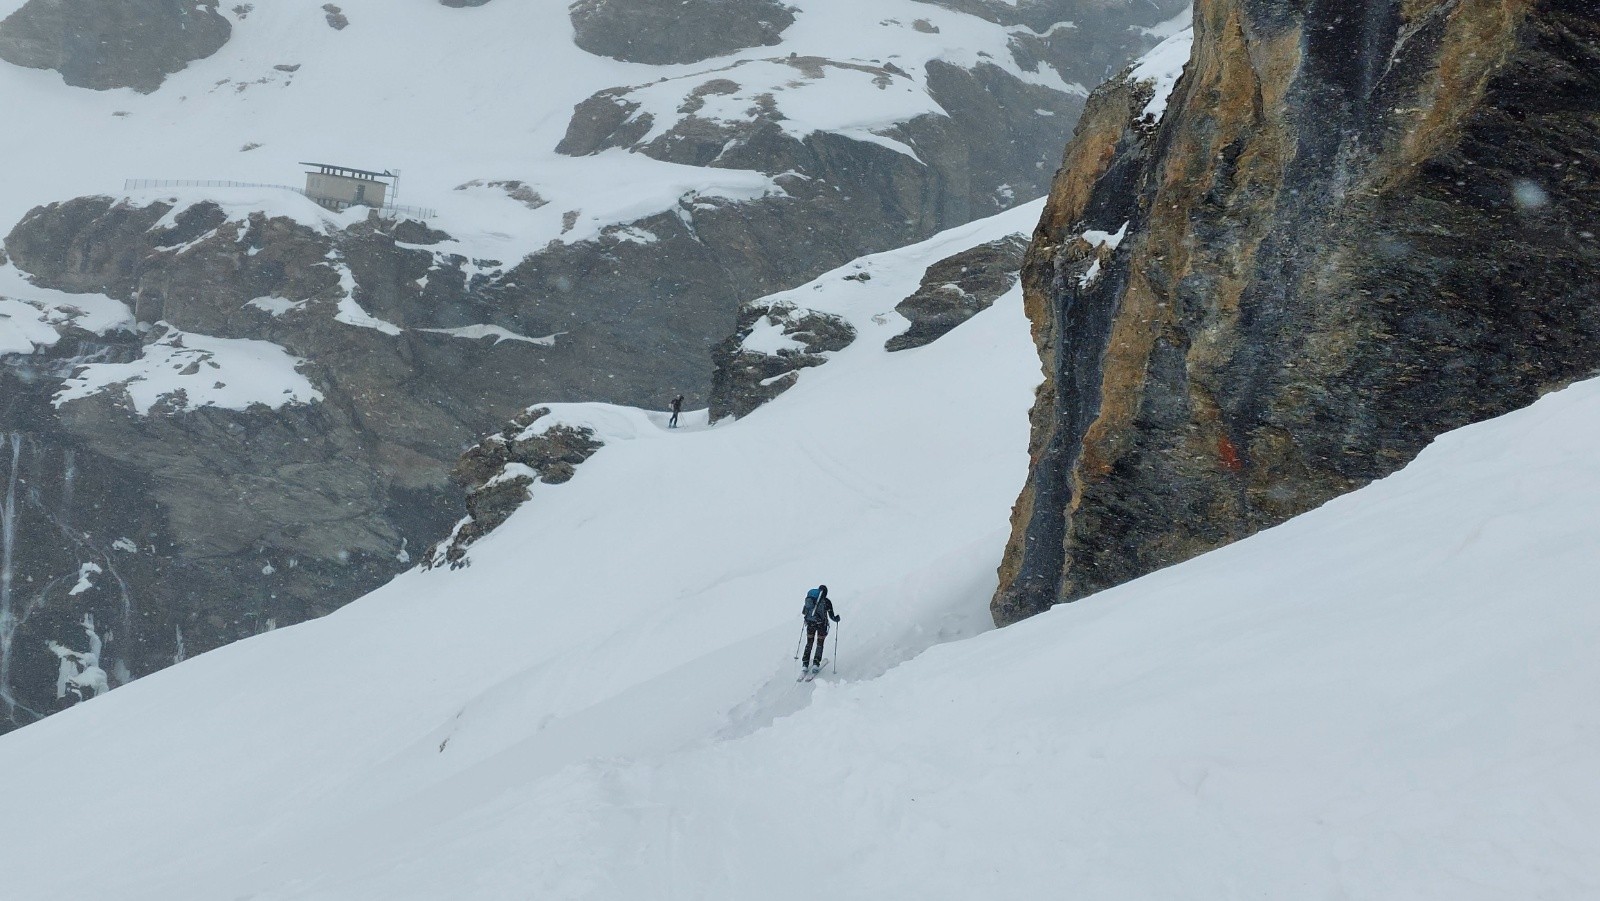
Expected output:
(677, 407)
(817, 611)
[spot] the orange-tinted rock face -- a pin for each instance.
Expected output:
(1358, 225)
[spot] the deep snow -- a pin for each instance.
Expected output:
(1390, 697)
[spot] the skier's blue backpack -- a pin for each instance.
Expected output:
(812, 611)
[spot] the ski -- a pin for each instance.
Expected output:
(806, 675)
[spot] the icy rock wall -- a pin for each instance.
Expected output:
(1357, 225)
(56, 575)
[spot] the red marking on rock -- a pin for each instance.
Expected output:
(1229, 455)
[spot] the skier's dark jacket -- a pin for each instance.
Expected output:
(821, 612)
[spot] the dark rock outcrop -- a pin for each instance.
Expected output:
(958, 288)
(127, 44)
(662, 32)
(1357, 226)
(744, 379)
(496, 472)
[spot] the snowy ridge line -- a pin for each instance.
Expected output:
(868, 304)
(142, 184)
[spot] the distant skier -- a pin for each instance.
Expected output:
(677, 407)
(817, 611)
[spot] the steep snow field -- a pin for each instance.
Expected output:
(378, 94)
(648, 605)
(1392, 697)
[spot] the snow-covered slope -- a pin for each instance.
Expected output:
(667, 573)
(1391, 697)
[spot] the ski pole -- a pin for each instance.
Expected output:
(838, 627)
(799, 643)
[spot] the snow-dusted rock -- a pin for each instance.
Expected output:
(763, 357)
(957, 288)
(496, 473)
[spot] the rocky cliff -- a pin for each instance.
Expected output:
(1356, 225)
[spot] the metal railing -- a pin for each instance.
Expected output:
(388, 210)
